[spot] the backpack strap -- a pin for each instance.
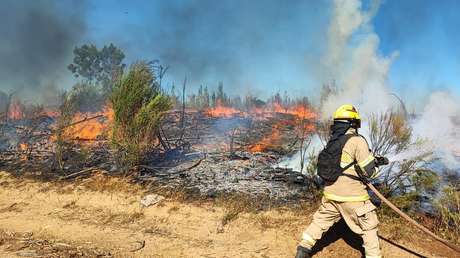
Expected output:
(349, 165)
(346, 138)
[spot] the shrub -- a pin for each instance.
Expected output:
(390, 135)
(138, 105)
(448, 207)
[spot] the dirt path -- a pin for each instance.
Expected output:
(64, 220)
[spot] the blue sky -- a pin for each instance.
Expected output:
(426, 35)
(259, 47)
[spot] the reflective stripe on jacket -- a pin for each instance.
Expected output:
(349, 189)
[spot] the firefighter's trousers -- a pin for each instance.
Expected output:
(360, 217)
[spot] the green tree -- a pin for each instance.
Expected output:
(139, 105)
(98, 66)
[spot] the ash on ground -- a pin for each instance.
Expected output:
(245, 173)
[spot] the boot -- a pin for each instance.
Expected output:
(302, 252)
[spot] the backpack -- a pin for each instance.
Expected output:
(329, 159)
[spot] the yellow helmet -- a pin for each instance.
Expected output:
(348, 112)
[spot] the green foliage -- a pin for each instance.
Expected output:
(448, 207)
(425, 180)
(98, 66)
(138, 105)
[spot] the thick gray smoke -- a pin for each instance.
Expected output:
(229, 41)
(37, 41)
(438, 126)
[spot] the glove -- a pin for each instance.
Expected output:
(302, 252)
(381, 161)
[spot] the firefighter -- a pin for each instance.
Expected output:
(347, 196)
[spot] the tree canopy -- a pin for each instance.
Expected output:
(98, 66)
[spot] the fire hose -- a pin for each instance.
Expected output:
(412, 221)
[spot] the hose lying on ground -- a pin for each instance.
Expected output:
(413, 222)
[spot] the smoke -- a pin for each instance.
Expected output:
(37, 42)
(439, 125)
(245, 44)
(362, 73)
(354, 62)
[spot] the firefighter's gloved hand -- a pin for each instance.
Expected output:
(381, 161)
(302, 252)
(318, 181)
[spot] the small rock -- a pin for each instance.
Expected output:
(114, 168)
(220, 228)
(151, 199)
(211, 193)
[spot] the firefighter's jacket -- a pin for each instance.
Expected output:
(348, 188)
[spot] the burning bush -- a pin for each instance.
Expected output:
(138, 105)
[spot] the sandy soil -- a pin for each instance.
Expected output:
(103, 217)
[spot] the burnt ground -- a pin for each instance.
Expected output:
(225, 197)
(207, 156)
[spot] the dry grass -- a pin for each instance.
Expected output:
(14, 207)
(234, 204)
(104, 183)
(98, 216)
(24, 245)
(173, 209)
(266, 221)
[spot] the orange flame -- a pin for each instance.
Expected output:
(50, 113)
(267, 141)
(221, 111)
(15, 111)
(23, 146)
(91, 129)
(302, 111)
(301, 114)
